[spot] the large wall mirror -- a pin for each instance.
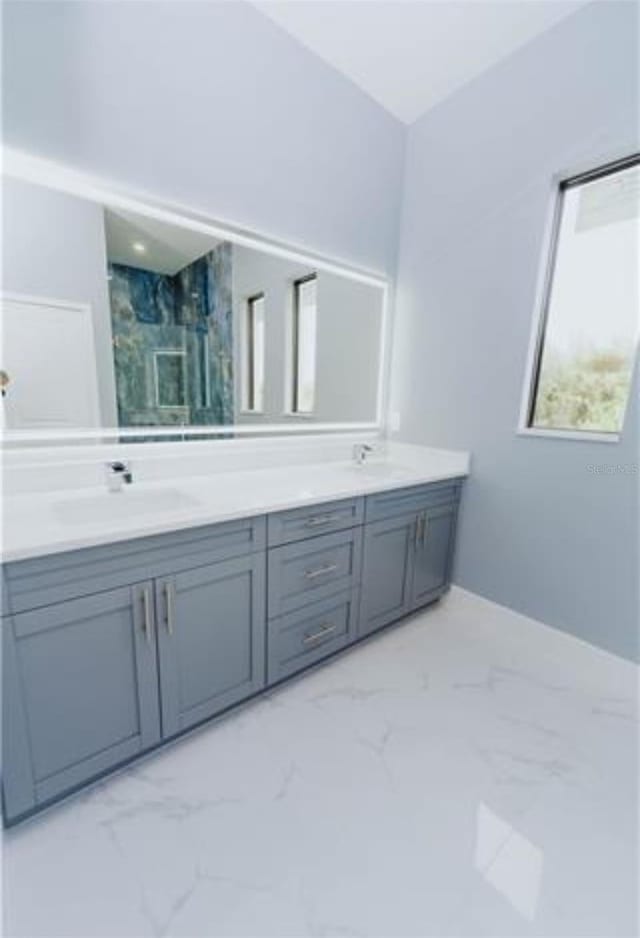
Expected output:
(117, 319)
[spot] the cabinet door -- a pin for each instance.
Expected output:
(433, 550)
(211, 639)
(386, 580)
(80, 692)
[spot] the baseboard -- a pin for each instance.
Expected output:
(557, 640)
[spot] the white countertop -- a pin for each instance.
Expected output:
(40, 523)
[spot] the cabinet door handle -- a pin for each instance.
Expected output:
(146, 613)
(320, 571)
(416, 533)
(169, 605)
(423, 535)
(319, 520)
(326, 629)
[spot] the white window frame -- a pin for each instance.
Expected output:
(541, 306)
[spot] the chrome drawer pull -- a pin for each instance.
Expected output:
(320, 571)
(146, 613)
(169, 599)
(319, 520)
(420, 531)
(325, 630)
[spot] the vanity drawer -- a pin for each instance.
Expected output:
(301, 638)
(412, 499)
(314, 569)
(300, 523)
(41, 581)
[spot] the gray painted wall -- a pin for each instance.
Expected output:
(349, 345)
(154, 96)
(53, 246)
(539, 532)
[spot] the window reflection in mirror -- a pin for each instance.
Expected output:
(113, 318)
(303, 344)
(253, 355)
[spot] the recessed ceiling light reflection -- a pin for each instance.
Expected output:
(139, 247)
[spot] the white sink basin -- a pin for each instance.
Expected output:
(379, 470)
(128, 503)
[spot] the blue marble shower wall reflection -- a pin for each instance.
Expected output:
(173, 342)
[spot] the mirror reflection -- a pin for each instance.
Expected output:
(171, 310)
(112, 318)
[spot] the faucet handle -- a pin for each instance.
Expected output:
(360, 451)
(117, 473)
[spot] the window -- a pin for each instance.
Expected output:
(253, 392)
(303, 345)
(589, 326)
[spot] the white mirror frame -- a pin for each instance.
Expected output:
(26, 167)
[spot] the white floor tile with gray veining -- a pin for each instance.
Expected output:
(468, 772)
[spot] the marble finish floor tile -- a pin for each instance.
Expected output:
(467, 772)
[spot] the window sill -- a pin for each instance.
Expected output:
(298, 415)
(251, 413)
(584, 436)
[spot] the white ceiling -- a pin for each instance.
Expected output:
(410, 54)
(168, 248)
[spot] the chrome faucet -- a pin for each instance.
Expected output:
(360, 451)
(118, 473)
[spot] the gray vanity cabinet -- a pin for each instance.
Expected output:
(80, 692)
(386, 578)
(408, 549)
(313, 584)
(110, 650)
(306, 636)
(433, 544)
(211, 628)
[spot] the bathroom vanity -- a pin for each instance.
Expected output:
(114, 647)
(231, 387)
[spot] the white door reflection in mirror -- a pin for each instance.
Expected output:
(508, 861)
(48, 354)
